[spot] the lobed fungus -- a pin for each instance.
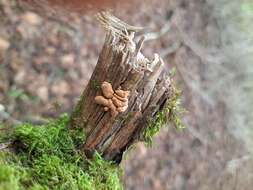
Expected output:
(115, 101)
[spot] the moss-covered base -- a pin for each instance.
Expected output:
(46, 157)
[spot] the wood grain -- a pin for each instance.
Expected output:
(148, 93)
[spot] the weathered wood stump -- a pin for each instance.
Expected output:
(121, 64)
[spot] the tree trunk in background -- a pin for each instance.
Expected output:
(123, 66)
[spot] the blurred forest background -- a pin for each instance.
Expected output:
(48, 54)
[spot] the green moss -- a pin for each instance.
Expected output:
(95, 84)
(169, 114)
(5, 133)
(75, 120)
(46, 157)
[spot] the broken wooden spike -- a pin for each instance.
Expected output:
(116, 119)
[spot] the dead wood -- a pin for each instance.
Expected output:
(121, 64)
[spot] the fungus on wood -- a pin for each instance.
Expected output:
(131, 91)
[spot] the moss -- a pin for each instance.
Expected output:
(46, 157)
(95, 84)
(75, 120)
(5, 133)
(169, 114)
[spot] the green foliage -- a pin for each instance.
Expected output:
(104, 172)
(169, 114)
(5, 133)
(46, 157)
(7, 177)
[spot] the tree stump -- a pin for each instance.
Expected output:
(111, 129)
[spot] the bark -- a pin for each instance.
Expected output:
(122, 64)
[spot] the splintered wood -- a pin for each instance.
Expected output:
(122, 65)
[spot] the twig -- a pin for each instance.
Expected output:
(198, 50)
(155, 35)
(193, 86)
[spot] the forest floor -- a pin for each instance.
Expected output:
(46, 61)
